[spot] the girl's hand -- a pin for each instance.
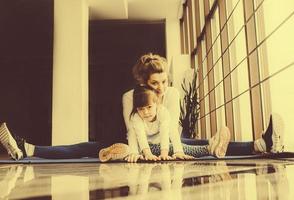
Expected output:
(148, 155)
(132, 158)
(182, 156)
(164, 155)
(151, 157)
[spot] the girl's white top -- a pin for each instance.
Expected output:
(155, 132)
(171, 101)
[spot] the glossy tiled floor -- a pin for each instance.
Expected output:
(238, 179)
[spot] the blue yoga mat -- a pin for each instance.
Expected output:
(35, 160)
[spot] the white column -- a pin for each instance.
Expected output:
(70, 72)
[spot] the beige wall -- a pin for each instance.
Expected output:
(70, 72)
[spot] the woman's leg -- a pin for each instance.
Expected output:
(86, 149)
(271, 140)
(191, 150)
(17, 148)
(234, 148)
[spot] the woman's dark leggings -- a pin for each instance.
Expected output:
(91, 149)
(234, 148)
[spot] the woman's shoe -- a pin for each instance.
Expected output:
(9, 143)
(272, 140)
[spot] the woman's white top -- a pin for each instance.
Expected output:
(171, 101)
(155, 132)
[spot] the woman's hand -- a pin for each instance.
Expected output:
(164, 155)
(132, 158)
(182, 156)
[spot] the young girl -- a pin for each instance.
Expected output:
(150, 122)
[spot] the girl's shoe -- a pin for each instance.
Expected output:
(116, 151)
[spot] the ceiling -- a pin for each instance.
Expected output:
(133, 9)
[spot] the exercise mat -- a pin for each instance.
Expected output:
(35, 160)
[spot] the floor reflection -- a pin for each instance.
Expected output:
(170, 180)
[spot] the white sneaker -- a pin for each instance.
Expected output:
(9, 143)
(278, 134)
(272, 140)
(218, 144)
(116, 151)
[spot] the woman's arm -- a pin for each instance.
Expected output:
(164, 123)
(172, 103)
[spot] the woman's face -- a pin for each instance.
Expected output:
(158, 81)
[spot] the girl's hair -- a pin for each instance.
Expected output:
(143, 96)
(147, 65)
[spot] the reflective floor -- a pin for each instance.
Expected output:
(236, 179)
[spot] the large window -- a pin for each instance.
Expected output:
(246, 62)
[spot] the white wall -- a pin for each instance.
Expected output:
(177, 62)
(70, 72)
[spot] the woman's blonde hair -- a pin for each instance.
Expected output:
(147, 65)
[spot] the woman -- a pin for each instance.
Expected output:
(152, 70)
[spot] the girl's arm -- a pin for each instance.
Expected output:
(127, 103)
(139, 128)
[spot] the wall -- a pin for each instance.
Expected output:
(70, 72)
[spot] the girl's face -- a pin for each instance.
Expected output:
(148, 113)
(158, 81)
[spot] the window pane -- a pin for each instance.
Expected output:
(208, 130)
(220, 115)
(210, 4)
(277, 51)
(242, 117)
(207, 104)
(240, 80)
(215, 25)
(215, 37)
(194, 23)
(203, 45)
(238, 49)
(219, 95)
(198, 135)
(271, 14)
(231, 4)
(202, 17)
(236, 22)
(188, 30)
(218, 72)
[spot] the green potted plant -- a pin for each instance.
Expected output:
(190, 108)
